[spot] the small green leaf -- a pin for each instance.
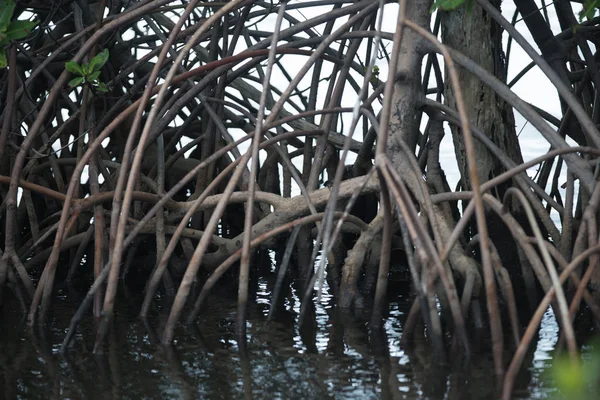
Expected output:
(98, 61)
(589, 9)
(446, 5)
(7, 8)
(569, 377)
(375, 75)
(86, 69)
(76, 81)
(93, 76)
(3, 61)
(74, 68)
(20, 29)
(102, 87)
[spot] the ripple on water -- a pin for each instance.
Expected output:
(334, 359)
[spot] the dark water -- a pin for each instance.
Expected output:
(334, 358)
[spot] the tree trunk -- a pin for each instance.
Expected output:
(477, 36)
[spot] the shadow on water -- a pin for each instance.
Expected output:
(330, 357)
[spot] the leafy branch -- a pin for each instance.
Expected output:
(448, 5)
(89, 72)
(590, 7)
(11, 30)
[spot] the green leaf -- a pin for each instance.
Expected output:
(3, 61)
(74, 68)
(76, 81)
(86, 69)
(102, 87)
(375, 75)
(569, 377)
(446, 5)
(93, 76)
(7, 8)
(470, 4)
(589, 9)
(98, 61)
(20, 29)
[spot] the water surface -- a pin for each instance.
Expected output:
(334, 357)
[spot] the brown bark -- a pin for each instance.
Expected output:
(404, 127)
(404, 121)
(477, 36)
